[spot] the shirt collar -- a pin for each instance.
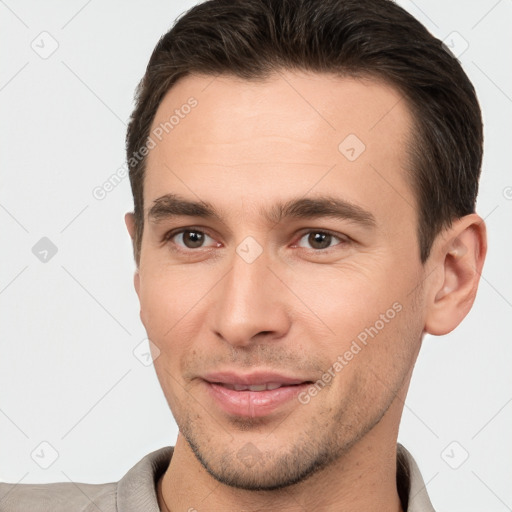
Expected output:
(411, 487)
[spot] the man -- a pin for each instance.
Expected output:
(304, 176)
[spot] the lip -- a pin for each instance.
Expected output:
(253, 404)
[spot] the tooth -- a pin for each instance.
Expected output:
(258, 387)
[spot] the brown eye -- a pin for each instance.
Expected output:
(319, 240)
(193, 239)
(189, 238)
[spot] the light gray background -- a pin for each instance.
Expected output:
(69, 377)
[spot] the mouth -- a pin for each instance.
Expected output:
(269, 386)
(254, 395)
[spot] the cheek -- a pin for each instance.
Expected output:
(373, 365)
(346, 299)
(172, 314)
(374, 324)
(391, 345)
(165, 299)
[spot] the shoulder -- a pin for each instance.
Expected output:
(136, 491)
(58, 497)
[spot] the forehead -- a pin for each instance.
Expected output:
(291, 132)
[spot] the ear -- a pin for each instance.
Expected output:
(458, 257)
(129, 220)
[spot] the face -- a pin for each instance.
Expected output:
(280, 249)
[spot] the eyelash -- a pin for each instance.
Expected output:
(343, 239)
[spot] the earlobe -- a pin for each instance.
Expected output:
(460, 253)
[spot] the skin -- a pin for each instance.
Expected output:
(298, 306)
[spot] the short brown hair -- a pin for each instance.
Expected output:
(372, 38)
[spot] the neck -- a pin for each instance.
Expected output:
(364, 479)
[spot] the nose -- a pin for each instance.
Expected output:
(250, 304)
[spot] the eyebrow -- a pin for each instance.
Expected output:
(173, 205)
